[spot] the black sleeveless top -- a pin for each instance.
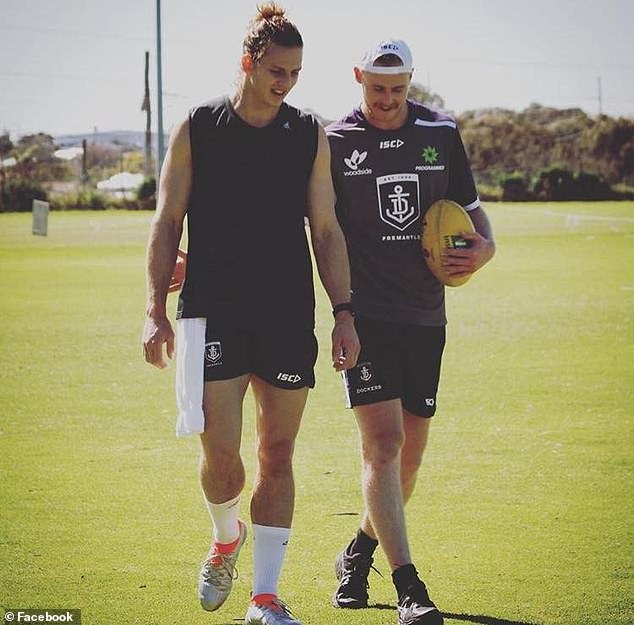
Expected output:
(248, 256)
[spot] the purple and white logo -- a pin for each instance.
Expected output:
(213, 354)
(399, 203)
(356, 158)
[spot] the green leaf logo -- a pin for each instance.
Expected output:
(430, 155)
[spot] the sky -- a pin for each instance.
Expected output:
(73, 66)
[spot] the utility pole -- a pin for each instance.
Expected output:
(148, 119)
(83, 177)
(159, 88)
(600, 95)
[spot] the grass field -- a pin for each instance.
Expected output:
(524, 511)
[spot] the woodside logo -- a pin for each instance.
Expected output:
(353, 163)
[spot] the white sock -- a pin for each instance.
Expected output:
(225, 519)
(269, 549)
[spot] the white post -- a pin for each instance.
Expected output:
(40, 217)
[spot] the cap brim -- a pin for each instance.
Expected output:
(381, 69)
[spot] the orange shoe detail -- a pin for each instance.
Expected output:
(224, 549)
(267, 599)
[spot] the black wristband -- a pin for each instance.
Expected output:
(349, 306)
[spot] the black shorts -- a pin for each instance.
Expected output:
(282, 355)
(396, 362)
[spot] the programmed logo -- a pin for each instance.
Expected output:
(430, 155)
(399, 203)
(430, 158)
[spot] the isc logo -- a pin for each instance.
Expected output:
(390, 143)
(293, 378)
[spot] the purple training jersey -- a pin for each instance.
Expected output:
(385, 181)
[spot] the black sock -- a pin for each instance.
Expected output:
(362, 543)
(404, 577)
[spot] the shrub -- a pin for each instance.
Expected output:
(515, 188)
(558, 184)
(85, 199)
(147, 189)
(623, 192)
(17, 194)
(489, 193)
(146, 195)
(554, 184)
(591, 187)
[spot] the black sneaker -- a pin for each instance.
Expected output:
(416, 608)
(352, 573)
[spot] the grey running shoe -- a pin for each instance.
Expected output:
(273, 612)
(217, 574)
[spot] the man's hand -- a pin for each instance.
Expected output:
(156, 333)
(345, 342)
(467, 260)
(180, 268)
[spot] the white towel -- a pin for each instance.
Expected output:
(190, 361)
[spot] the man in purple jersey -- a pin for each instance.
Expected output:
(391, 159)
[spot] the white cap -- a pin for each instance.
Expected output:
(388, 46)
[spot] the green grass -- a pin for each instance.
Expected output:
(523, 511)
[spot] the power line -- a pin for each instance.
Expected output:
(75, 33)
(47, 75)
(539, 64)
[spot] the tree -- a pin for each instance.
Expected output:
(36, 161)
(6, 145)
(530, 142)
(611, 143)
(421, 94)
(36, 148)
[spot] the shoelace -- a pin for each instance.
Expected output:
(278, 603)
(220, 571)
(277, 606)
(358, 564)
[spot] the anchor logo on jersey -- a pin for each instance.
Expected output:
(399, 203)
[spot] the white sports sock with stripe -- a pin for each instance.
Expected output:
(269, 550)
(225, 520)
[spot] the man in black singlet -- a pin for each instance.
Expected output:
(391, 159)
(246, 171)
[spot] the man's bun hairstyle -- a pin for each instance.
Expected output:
(270, 26)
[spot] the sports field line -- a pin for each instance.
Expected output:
(575, 217)
(99, 222)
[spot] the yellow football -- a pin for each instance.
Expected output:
(442, 224)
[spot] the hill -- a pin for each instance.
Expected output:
(132, 139)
